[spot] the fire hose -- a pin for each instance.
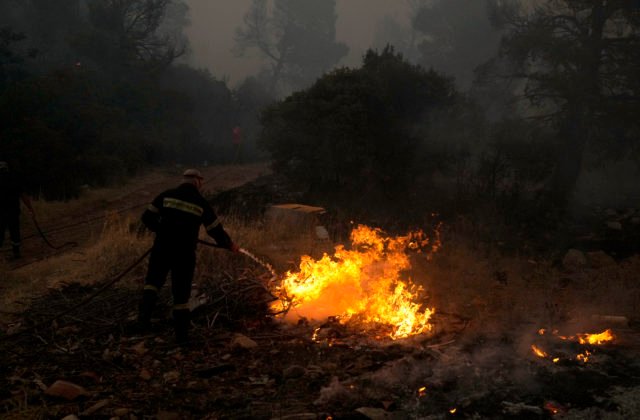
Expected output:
(84, 302)
(114, 281)
(264, 264)
(42, 235)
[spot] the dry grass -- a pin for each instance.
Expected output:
(116, 248)
(503, 294)
(121, 242)
(498, 293)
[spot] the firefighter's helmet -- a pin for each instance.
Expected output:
(192, 173)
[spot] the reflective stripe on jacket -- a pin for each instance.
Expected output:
(176, 216)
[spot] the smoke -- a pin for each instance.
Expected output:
(487, 364)
(213, 24)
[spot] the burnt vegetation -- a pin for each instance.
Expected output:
(510, 128)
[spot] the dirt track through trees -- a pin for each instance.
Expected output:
(83, 224)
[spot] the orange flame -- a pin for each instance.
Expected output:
(584, 338)
(362, 284)
(596, 339)
(584, 357)
(538, 351)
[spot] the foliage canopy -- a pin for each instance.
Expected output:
(354, 130)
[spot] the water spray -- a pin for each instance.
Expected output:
(263, 263)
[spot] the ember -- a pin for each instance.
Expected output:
(583, 339)
(584, 357)
(362, 285)
(554, 408)
(537, 351)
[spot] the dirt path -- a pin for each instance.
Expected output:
(79, 222)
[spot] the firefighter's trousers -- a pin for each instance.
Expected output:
(181, 263)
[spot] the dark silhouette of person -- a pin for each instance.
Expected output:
(176, 216)
(11, 193)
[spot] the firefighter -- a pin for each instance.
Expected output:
(11, 194)
(176, 216)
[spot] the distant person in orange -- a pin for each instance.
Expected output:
(176, 216)
(237, 135)
(236, 138)
(11, 193)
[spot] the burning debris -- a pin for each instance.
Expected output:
(346, 364)
(364, 286)
(576, 344)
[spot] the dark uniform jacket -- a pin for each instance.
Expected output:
(10, 192)
(176, 215)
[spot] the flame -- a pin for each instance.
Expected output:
(596, 339)
(584, 357)
(538, 351)
(314, 337)
(422, 391)
(583, 339)
(361, 284)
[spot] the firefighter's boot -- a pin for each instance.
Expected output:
(147, 305)
(181, 324)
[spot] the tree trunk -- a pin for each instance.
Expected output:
(573, 137)
(576, 128)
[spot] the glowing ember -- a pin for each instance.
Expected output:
(361, 285)
(538, 351)
(422, 391)
(583, 339)
(584, 357)
(554, 408)
(601, 338)
(595, 339)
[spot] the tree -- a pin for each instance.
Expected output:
(404, 38)
(127, 33)
(250, 98)
(352, 132)
(297, 38)
(458, 37)
(49, 26)
(210, 109)
(579, 60)
(12, 59)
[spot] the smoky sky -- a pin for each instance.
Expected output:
(213, 24)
